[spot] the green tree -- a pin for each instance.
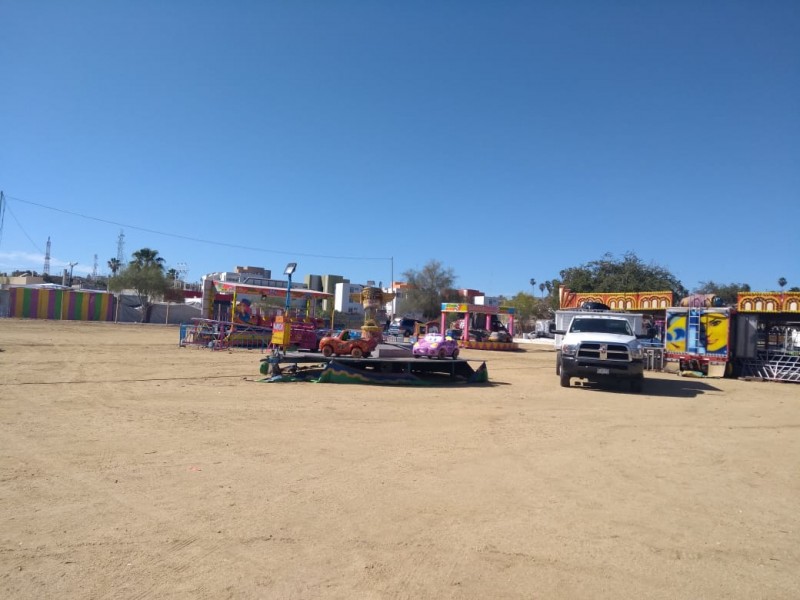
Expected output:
(526, 309)
(628, 274)
(727, 292)
(145, 276)
(782, 282)
(428, 288)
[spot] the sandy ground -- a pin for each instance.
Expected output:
(133, 468)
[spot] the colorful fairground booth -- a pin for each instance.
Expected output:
(621, 301)
(237, 314)
(758, 338)
(480, 327)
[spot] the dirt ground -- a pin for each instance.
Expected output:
(133, 468)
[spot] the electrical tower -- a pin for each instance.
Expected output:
(46, 269)
(181, 270)
(121, 247)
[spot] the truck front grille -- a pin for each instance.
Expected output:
(600, 351)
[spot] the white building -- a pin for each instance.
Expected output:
(487, 300)
(343, 299)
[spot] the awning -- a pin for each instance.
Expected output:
(263, 290)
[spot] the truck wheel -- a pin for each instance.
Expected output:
(636, 385)
(564, 380)
(356, 352)
(558, 362)
(327, 351)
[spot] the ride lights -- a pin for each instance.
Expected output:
(569, 349)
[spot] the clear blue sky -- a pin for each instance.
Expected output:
(506, 139)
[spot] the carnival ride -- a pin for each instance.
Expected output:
(300, 366)
(246, 320)
(353, 360)
(435, 345)
(497, 335)
(348, 342)
(373, 301)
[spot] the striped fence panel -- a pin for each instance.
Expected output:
(67, 305)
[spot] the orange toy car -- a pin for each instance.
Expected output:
(348, 341)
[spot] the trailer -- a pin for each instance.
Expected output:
(708, 341)
(544, 328)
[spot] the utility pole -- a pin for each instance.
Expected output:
(71, 265)
(2, 213)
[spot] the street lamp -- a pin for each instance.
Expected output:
(290, 268)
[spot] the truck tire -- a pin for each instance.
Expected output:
(356, 352)
(558, 362)
(564, 380)
(327, 351)
(637, 384)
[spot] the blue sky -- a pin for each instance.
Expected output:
(509, 140)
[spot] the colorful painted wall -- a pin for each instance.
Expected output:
(703, 331)
(768, 302)
(638, 301)
(67, 305)
(747, 302)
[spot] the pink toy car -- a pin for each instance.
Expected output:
(435, 345)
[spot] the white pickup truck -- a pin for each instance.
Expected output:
(600, 346)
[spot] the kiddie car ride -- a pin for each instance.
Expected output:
(348, 341)
(435, 345)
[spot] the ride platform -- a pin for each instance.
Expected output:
(407, 370)
(487, 345)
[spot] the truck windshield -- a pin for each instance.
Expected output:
(616, 326)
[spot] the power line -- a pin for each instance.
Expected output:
(192, 239)
(13, 216)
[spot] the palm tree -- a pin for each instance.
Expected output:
(147, 258)
(114, 264)
(782, 283)
(542, 288)
(172, 275)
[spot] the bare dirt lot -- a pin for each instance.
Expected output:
(133, 468)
